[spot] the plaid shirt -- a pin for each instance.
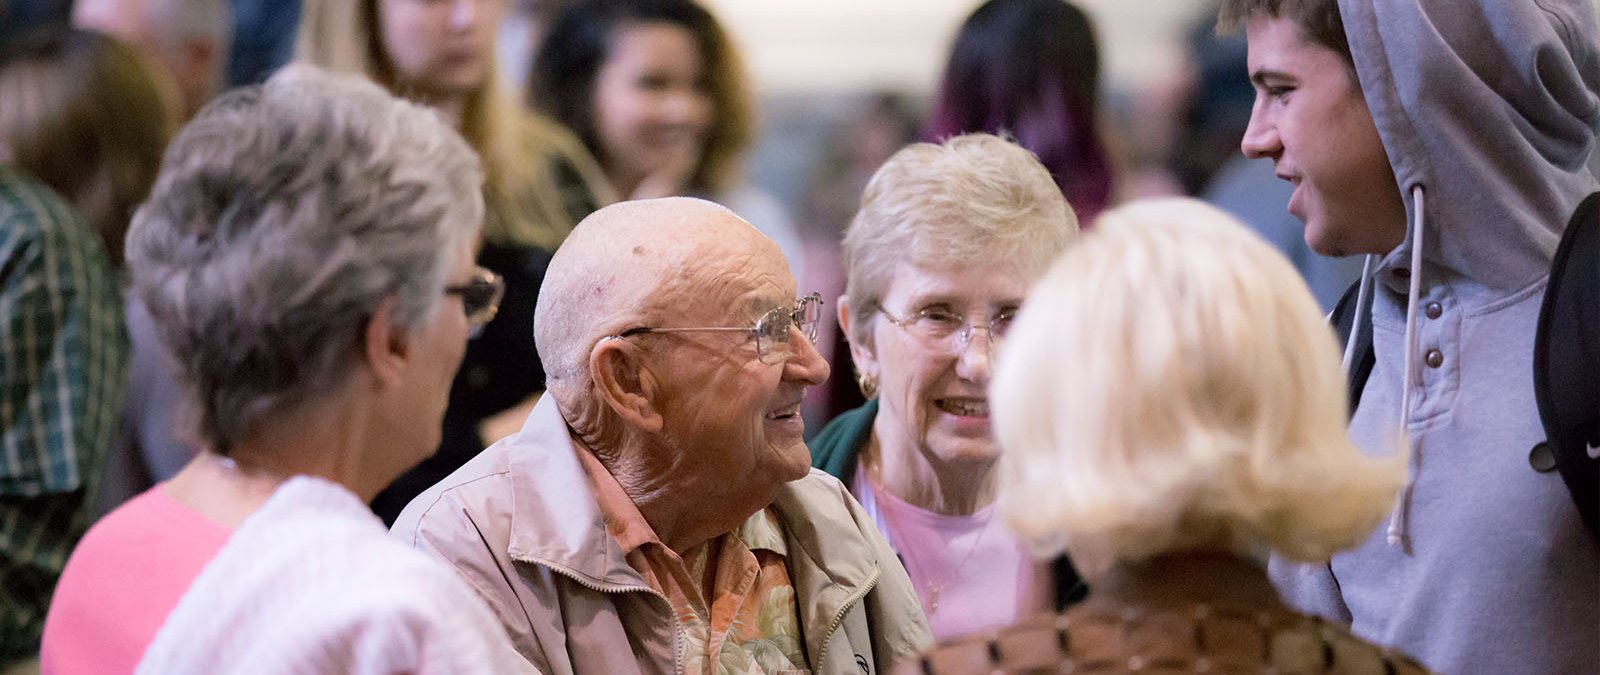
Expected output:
(63, 369)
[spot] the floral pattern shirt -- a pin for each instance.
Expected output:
(732, 596)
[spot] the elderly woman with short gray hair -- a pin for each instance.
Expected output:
(307, 257)
(948, 239)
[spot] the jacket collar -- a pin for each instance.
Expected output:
(831, 563)
(555, 518)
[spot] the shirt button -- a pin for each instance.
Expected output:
(1434, 309)
(1434, 359)
(1542, 458)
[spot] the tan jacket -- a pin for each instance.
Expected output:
(520, 524)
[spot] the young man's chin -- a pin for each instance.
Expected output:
(1323, 245)
(1330, 251)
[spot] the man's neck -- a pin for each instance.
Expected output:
(684, 519)
(681, 515)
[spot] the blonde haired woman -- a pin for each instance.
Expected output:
(1171, 407)
(539, 182)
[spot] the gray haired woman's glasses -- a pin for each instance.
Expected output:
(480, 297)
(771, 331)
(934, 327)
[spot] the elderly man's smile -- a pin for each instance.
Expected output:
(786, 413)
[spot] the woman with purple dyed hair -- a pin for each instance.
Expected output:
(1031, 69)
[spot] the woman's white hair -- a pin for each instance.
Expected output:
(284, 215)
(1170, 384)
(975, 199)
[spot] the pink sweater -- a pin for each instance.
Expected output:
(970, 573)
(99, 622)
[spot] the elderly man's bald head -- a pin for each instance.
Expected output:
(631, 264)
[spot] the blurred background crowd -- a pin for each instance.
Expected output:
(781, 111)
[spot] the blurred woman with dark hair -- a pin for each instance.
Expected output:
(1031, 69)
(83, 113)
(657, 92)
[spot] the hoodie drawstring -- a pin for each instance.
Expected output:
(1361, 311)
(1399, 525)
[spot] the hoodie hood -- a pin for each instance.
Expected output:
(1492, 110)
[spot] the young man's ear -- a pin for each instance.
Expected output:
(623, 383)
(863, 355)
(386, 347)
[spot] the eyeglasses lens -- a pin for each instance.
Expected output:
(480, 297)
(772, 330)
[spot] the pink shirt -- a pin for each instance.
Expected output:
(969, 571)
(122, 581)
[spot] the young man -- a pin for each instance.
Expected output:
(1448, 138)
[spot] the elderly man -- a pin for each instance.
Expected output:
(656, 513)
(187, 40)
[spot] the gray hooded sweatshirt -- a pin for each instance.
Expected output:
(1488, 110)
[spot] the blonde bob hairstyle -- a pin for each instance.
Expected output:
(525, 205)
(973, 200)
(1170, 384)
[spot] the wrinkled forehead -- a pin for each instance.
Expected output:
(685, 256)
(744, 274)
(730, 277)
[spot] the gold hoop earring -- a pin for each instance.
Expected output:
(868, 385)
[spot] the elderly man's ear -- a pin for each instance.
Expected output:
(623, 384)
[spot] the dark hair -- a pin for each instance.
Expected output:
(82, 113)
(1031, 69)
(578, 43)
(1217, 110)
(25, 22)
(1318, 19)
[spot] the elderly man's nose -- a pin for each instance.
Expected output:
(806, 364)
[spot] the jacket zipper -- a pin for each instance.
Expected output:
(822, 655)
(677, 637)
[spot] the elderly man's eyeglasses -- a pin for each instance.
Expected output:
(480, 297)
(771, 330)
(935, 327)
